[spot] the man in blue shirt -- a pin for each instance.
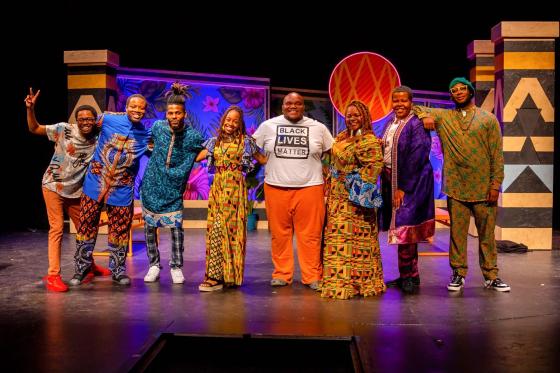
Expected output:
(109, 181)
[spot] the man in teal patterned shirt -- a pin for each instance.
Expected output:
(175, 149)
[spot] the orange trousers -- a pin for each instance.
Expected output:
(300, 211)
(56, 204)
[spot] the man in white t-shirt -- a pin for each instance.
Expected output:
(294, 194)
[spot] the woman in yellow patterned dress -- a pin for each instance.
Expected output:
(230, 154)
(351, 256)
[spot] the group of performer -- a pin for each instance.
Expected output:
(96, 161)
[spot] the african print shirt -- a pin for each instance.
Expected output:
(72, 154)
(111, 173)
(169, 168)
(472, 150)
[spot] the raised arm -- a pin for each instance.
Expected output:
(32, 124)
(429, 116)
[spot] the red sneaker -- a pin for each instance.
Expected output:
(97, 270)
(55, 283)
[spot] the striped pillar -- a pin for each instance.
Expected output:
(481, 55)
(524, 105)
(92, 80)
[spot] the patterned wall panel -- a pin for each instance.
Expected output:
(524, 105)
(91, 79)
(481, 55)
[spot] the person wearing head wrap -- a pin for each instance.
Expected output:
(473, 173)
(176, 146)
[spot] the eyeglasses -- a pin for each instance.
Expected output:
(86, 120)
(461, 88)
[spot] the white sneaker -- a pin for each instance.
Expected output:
(177, 275)
(152, 275)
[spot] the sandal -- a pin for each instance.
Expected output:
(210, 285)
(278, 282)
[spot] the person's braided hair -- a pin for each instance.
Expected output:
(366, 119)
(241, 131)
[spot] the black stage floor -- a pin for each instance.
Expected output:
(102, 327)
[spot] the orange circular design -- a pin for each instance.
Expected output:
(365, 76)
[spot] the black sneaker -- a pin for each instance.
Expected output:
(407, 285)
(497, 285)
(122, 279)
(397, 283)
(457, 282)
(79, 279)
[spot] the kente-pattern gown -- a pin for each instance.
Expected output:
(227, 215)
(351, 256)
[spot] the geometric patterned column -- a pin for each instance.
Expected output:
(524, 105)
(481, 56)
(92, 80)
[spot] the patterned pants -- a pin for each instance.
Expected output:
(408, 260)
(177, 247)
(485, 221)
(214, 254)
(120, 219)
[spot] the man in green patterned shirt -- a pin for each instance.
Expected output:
(473, 172)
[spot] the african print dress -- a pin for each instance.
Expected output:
(227, 210)
(351, 256)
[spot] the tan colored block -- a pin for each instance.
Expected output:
(509, 29)
(534, 238)
(526, 200)
(543, 143)
(513, 143)
(478, 47)
(91, 57)
(482, 74)
(89, 81)
(528, 60)
(195, 203)
(196, 224)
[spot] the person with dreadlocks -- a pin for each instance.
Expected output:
(110, 181)
(293, 190)
(351, 255)
(231, 155)
(407, 183)
(176, 146)
(474, 170)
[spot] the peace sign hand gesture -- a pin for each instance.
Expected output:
(31, 98)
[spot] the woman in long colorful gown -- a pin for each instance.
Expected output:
(351, 256)
(230, 154)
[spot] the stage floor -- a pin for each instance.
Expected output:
(102, 327)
